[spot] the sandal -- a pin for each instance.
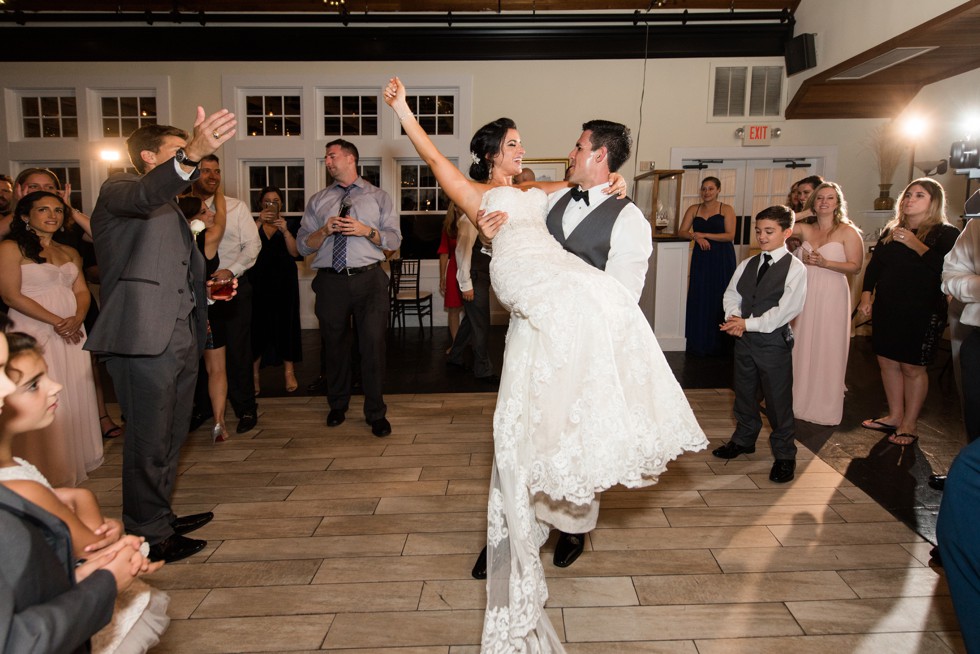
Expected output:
(112, 432)
(911, 439)
(874, 424)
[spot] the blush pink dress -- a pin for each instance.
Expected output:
(71, 446)
(823, 336)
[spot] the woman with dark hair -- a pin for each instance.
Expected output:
(711, 225)
(275, 292)
(41, 282)
(586, 398)
(448, 284)
(832, 249)
(208, 235)
(910, 310)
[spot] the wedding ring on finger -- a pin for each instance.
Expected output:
(216, 134)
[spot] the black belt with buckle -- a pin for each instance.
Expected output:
(353, 271)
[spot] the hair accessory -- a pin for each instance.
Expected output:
(475, 158)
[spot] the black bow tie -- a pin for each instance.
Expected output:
(579, 194)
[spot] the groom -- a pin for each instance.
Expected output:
(608, 233)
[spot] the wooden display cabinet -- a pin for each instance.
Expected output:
(658, 195)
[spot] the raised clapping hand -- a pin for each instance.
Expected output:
(394, 95)
(210, 133)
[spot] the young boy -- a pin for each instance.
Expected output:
(766, 292)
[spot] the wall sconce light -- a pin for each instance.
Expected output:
(740, 132)
(109, 155)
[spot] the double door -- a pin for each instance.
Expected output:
(748, 185)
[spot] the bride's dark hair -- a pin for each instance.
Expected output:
(485, 144)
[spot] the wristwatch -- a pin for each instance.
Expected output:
(372, 234)
(181, 158)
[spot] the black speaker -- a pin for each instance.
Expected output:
(800, 53)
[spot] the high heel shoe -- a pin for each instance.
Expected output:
(218, 433)
(291, 383)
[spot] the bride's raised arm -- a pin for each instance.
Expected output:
(465, 193)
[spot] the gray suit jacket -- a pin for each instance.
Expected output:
(42, 609)
(151, 271)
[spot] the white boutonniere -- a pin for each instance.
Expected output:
(197, 226)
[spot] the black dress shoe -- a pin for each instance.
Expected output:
(247, 422)
(783, 470)
(480, 567)
(380, 427)
(937, 482)
(175, 548)
(336, 417)
(454, 365)
(318, 385)
(198, 418)
(568, 548)
(731, 449)
(189, 523)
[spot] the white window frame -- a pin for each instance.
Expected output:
(749, 64)
(18, 153)
(239, 104)
(96, 113)
(19, 134)
(323, 92)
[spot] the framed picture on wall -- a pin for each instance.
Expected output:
(547, 170)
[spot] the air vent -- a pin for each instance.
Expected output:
(881, 62)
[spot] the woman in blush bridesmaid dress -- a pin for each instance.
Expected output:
(832, 249)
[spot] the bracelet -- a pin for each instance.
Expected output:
(404, 116)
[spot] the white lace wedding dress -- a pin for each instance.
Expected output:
(586, 401)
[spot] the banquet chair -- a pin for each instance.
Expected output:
(407, 299)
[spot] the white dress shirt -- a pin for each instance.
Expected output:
(240, 245)
(961, 273)
(790, 305)
(630, 243)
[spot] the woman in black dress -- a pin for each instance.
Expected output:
(275, 292)
(208, 232)
(904, 275)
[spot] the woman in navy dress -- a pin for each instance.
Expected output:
(711, 225)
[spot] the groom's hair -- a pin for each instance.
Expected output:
(615, 137)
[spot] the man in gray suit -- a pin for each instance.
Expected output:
(153, 320)
(45, 603)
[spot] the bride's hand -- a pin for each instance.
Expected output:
(394, 92)
(617, 186)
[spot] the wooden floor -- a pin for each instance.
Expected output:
(332, 539)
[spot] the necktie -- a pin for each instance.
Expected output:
(766, 262)
(340, 240)
(579, 194)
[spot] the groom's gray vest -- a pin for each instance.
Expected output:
(590, 240)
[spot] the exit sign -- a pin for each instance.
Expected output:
(757, 135)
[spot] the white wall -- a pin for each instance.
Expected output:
(550, 110)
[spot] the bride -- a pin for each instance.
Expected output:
(586, 398)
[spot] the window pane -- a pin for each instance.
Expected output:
(128, 107)
(69, 127)
(372, 174)
(413, 103)
(446, 105)
(428, 123)
(294, 176)
(295, 202)
(277, 176)
(331, 105)
(331, 126)
(409, 176)
(30, 107)
(273, 126)
(50, 127)
(292, 127)
(427, 199)
(352, 125)
(369, 105)
(427, 104)
(291, 105)
(256, 176)
(110, 107)
(351, 105)
(129, 125)
(254, 126)
(273, 105)
(68, 107)
(110, 127)
(253, 105)
(49, 107)
(444, 125)
(409, 200)
(32, 128)
(148, 107)
(426, 178)
(369, 126)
